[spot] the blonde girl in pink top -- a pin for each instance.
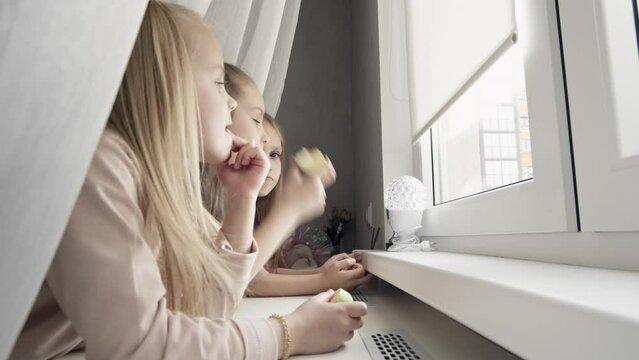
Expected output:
(282, 208)
(143, 271)
(340, 271)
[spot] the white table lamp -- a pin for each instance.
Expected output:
(405, 199)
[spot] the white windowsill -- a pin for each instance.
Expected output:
(534, 309)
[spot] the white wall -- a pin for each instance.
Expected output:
(60, 69)
(397, 149)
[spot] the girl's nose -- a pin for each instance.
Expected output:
(231, 103)
(265, 138)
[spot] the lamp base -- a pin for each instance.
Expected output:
(419, 246)
(405, 223)
(409, 242)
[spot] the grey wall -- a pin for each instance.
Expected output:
(316, 102)
(332, 100)
(367, 121)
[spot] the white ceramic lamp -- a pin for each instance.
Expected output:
(405, 199)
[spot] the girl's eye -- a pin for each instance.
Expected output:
(257, 121)
(222, 83)
(276, 155)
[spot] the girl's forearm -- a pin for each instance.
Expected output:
(303, 271)
(238, 223)
(273, 230)
(288, 285)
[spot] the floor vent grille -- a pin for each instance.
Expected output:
(359, 296)
(392, 344)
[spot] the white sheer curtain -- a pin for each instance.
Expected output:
(257, 36)
(60, 68)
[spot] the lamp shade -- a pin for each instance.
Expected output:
(405, 193)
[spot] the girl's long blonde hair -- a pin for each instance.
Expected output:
(156, 113)
(265, 203)
(236, 79)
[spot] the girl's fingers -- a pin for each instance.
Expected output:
(323, 296)
(345, 263)
(362, 280)
(237, 142)
(356, 309)
(321, 188)
(356, 323)
(341, 256)
(245, 154)
(244, 146)
(357, 255)
(329, 175)
(237, 145)
(356, 271)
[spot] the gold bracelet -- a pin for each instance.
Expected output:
(286, 337)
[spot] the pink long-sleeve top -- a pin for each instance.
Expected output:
(104, 292)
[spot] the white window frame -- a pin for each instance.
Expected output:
(601, 241)
(607, 184)
(547, 203)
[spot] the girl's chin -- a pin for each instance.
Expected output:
(218, 157)
(221, 152)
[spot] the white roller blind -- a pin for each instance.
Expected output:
(450, 43)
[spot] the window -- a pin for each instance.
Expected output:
(483, 141)
(498, 157)
(478, 206)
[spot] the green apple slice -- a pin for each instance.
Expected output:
(341, 296)
(312, 162)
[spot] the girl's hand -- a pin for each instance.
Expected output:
(302, 196)
(357, 255)
(329, 175)
(244, 176)
(335, 258)
(331, 324)
(343, 271)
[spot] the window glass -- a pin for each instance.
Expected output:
(482, 142)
